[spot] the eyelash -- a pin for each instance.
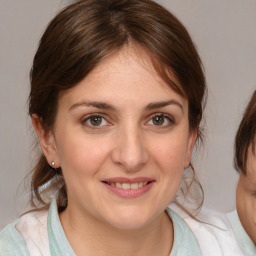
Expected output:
(166, 117)
(96, 115)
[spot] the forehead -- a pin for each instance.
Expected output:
(135, 60)
(125, 74)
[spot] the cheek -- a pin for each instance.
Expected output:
(254, 214)
(169, 158)
(246, 208)
(240, 197)
(251, 218)
(170, 154)
(82, 155)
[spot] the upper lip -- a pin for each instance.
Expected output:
(128, 180)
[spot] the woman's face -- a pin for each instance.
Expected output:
(122, 139)
(246, 197)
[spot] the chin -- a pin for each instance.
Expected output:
(130, 219)
(129, 224)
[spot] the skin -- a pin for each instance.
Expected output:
(127, 143)
(246, 197)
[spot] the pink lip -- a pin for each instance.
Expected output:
(128, 193)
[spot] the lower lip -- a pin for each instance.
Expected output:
(129, 193)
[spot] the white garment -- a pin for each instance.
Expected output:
(214, 233)
(33, 227)
(244, 241)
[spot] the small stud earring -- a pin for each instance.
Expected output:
(53, 163)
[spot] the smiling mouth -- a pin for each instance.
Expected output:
(126, 186)
(129, 187)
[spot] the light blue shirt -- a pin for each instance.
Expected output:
(12, 242)
(243, 240)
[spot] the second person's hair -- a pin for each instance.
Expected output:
(246, 136)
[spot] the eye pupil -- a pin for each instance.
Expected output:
(96, 120)
(158, 120)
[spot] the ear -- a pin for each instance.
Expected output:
(47, 141)
(191, 143)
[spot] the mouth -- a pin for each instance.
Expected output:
(126, 185)
(129, 188)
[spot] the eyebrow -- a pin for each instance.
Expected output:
(96, 104)
(162, 104)
(103, 105)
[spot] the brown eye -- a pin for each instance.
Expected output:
(158, 120)
(95, 121)
(161, 120)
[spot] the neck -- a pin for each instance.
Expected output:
(89, 236)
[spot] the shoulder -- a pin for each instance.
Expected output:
(26, 236)
(213, 232)
(11, 241)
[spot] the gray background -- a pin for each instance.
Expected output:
(224, 32)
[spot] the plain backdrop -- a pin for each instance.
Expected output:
(224, 32)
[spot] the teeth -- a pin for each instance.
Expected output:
(134, 185)
(119, 185)
(128, 185)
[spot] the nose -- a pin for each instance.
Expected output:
(130, 149)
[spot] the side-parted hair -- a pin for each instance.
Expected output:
(85, 33)
(246, 136)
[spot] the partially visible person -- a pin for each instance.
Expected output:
(243, 220)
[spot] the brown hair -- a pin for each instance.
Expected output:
(84, 34)
(245, 136)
